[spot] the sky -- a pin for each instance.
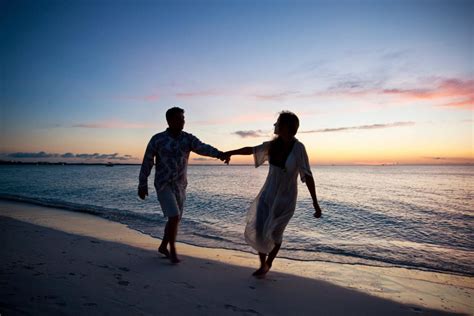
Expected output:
(372, 82)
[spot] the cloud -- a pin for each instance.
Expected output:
(42, 154)
(203, 159)
(360, 127)
(276, 96)
(146, 98)
(203, 93)
(114, 156)
(68, 155)
(444, 92)
(113, 124)
(251, 133)
(451, 159)
(237, 119)
(308, 67)
(261, 133)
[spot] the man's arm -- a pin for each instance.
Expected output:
(204, 149)
(145, 170)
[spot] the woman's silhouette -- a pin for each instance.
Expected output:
(274, 206)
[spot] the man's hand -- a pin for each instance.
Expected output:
(317, 210)
(142, 192)
(225, 157)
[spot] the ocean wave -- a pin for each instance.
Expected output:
(152, 224)
(107, 213)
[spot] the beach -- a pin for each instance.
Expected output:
(60, 262)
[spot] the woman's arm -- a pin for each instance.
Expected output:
(241, 151)
(312, 190)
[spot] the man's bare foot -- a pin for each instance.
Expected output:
(164, 251)
(260, 273)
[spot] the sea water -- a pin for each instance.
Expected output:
(419, 217)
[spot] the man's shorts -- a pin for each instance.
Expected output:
(169, 203)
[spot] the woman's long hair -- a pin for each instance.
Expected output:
(289, 120)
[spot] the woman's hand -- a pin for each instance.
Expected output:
(317, 210)
(142, 192)
(227, 156)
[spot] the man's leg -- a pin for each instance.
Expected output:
(172, 231)
(164, 243)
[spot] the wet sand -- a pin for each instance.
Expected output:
(59, 262)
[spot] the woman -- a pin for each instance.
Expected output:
(274, 206)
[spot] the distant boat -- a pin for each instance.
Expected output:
(109, 164)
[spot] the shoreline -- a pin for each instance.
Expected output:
(220, 164)
(369, 262)
(413, 291)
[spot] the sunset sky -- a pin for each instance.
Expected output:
(371, 81)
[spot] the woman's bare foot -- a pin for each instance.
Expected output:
(164, 251)
(174, 257)
(260, 273)
(174, 260)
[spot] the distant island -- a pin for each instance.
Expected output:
(111, 164)
(108, 164)
(60, 163)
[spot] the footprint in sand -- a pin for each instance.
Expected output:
(416, 309)
(241, 310)
(189, 286)
(125, 283)
(125, 269)
(89, 304)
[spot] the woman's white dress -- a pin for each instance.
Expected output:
(274, 206)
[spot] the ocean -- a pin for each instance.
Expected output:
(417, 217)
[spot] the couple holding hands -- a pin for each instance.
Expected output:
(270, 211)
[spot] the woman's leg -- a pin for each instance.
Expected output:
(266, 263)
(272, 255)
(263, 258)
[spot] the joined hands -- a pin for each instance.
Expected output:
(225, 157)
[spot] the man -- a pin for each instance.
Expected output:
(169, 151)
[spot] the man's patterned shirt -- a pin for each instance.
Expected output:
(170, 156)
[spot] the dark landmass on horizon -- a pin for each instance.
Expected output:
(47, 163)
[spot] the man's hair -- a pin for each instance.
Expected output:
(172, 112)
(290, 120)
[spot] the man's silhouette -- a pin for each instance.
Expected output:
(169, 151)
